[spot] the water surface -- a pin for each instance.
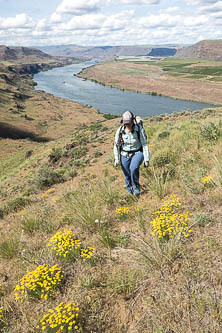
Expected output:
(61, 82)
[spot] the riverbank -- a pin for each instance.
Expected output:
(152, 79)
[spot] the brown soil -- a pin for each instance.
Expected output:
(148, 79)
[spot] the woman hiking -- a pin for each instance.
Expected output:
(130, 150)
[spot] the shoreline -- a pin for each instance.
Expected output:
(117, 80)
(152, 93)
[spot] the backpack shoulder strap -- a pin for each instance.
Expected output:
(121, 142)
(138, 130)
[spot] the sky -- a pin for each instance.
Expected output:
(108, 22)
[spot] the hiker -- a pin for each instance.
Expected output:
(130, 150)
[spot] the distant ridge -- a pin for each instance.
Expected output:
(107, 51)
(204, 50)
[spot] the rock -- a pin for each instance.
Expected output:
(28, 153)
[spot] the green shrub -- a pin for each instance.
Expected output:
(192, 184)
(202, 218)
(162, 158)
(47, 176)
(95, 126)
(210, 132)
(78, 152)
(109, 116)
(56, 154)
(72, 173)
(163, 135)
(97, 153)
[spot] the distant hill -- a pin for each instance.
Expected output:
(204, 50)
(17, 53)
(107, 51)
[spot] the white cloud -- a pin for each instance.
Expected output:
(138, 2)
(217, 15)
(163, 20)
(200, 2)
(171, 9)
(213, 8)
(119, 21)
(56, 18)
(78, 7)
(195, 21)
(19, 21)
(93, 21)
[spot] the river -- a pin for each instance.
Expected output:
(61, 82)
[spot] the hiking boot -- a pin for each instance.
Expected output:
(136, 192)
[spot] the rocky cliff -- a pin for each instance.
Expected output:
(204, 50)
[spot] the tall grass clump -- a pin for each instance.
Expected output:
(109, 194)
(15, 204)
(41, 219)
(157, 181)
(169, 228)
(85, 208)
(9, 247)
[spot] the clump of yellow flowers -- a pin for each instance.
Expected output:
(87, 253)
(61, 319)
(208, 179)
(44, 194)
(39, 283)
(63, 242)
(126, 211)
(167, 222)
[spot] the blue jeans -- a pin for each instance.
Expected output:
(130, 167)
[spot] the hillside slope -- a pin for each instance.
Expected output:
(80, 255)
(20, 53)
(17, 66)
(128, 276)
(205, 50)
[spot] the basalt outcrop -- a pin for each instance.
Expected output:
(204, 50)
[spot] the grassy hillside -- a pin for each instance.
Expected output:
(151, 264)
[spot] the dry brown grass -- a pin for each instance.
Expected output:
(147, 79)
